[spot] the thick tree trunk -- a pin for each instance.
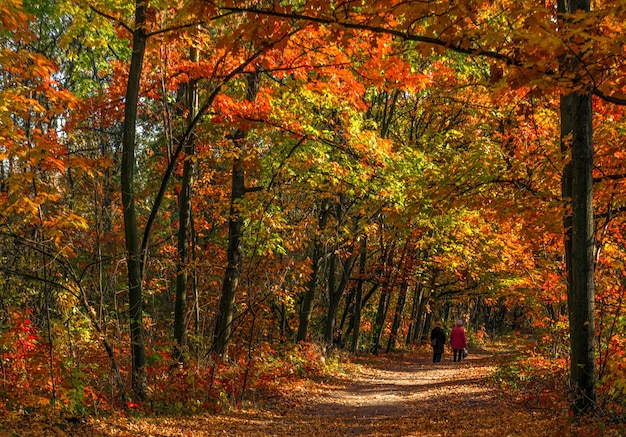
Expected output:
(135, 294)
(576, 118)
(235, 254)
(184, 206)
(577, 184)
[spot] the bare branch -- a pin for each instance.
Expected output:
(112, 18)
(406, 36)
(611, 99)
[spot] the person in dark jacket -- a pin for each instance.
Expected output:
(437, 341)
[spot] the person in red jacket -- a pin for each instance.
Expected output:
(458, 341)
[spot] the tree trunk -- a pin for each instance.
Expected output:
(335, 293)
(184, 206)
(348, 309)
(418, 294)
(358, 302)
(576, 118)
(577, 184)
(381, 314)
(306, 308)
(332, 305)
(131, 234)
(424, 321)
(383, 302)
(235, 254)
(397, 317)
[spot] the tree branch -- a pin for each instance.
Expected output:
(112, 18)
(610, 99)
(609, 177)
(186, 137)
(406, 36)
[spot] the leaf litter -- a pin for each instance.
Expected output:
(398, 394)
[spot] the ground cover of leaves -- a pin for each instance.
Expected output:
(401, 394)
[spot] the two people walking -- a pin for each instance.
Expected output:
(458, 342)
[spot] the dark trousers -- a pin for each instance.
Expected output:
(437, 357)
(458, 353)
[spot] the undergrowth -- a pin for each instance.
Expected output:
(540, 383)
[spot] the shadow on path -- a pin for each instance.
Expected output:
(408, 385)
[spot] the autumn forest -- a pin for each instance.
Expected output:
(199, 198)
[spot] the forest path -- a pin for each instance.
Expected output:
(398, 394)
(410, 396)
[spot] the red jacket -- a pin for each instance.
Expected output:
(457, 338)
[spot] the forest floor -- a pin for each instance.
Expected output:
(398, 394)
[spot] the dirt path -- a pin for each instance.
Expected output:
(408, 386)
(414, 397)
(399, 395)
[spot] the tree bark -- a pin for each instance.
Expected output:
(424, 321)
(306, 308)
(184, 206)
(358, 301)
(235, 253)
(381, 315)
(418, 293)
(335, 293)
(131, 234)
(383, 301)
(397, 317)
(577, 184)
(576, 116)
